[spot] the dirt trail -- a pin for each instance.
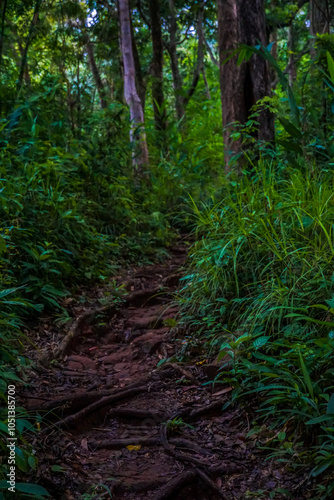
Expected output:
(144, 432)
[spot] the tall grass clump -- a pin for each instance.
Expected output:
(260, 290)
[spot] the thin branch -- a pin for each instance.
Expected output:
(211, 54)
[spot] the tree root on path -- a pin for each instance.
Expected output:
(84, 398)
(168, 490)
(74, 331)
(191, 460)
(100, 403)
(198, 412)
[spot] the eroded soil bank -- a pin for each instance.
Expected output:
(112, 417)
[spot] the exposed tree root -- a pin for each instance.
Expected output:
(78, 401)
(211, 484)
(104, 401)
(74, 331)
(189, 445)
(168, 491)
(176, 454)
(75, 327)
(193, 461)
(199, 412)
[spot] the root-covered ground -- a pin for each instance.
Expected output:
(112, 417)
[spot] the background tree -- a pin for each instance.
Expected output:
(137, 138)
(242, 22)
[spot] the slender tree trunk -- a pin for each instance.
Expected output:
(242, 22)
(96, 74)
(207, 88)
(130, 91)
(3, 18)
(172, 49)
(78, 98)
(200, 57)
(157, 67)
(26, 74)
(140, 82)
(27, 45)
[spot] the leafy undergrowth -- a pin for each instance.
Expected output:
(72, 213)
(260, 291)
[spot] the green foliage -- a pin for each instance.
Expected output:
(261, 288)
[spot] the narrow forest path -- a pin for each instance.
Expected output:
(145, 432)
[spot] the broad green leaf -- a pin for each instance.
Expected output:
(330, 63)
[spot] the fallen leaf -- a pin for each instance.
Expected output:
(132, 447)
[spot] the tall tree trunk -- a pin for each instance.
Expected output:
(171, 47)
(253, 30)
(231, 76)
(96, 74)
(320, 17)
(27, 45)
(242, 22)
(157, 67)
(130, 92)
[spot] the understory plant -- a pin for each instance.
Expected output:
(260, 290)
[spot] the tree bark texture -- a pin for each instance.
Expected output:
(157, 66)
(131, 97)
(242, 22)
